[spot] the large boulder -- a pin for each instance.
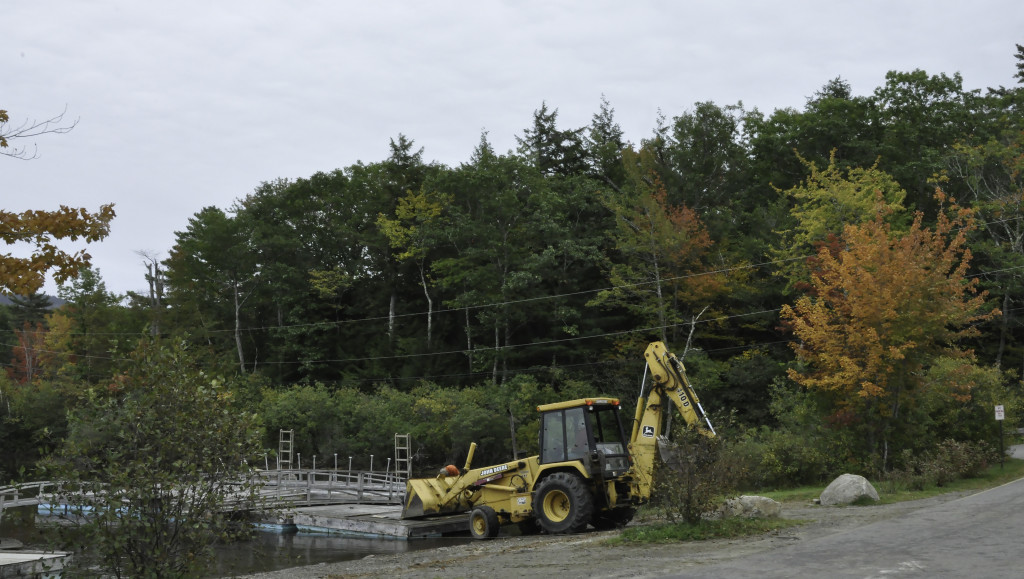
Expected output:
(751, 507)
(846, 489)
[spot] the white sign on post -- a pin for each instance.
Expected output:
(999, 412)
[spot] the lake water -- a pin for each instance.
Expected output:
(267, 551)
(272, 551)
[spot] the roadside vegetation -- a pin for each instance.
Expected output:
(662, 532)
(656, 524)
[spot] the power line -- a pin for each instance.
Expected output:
(335, 323)
(519, 301)
(487, 349)
(474, 351)
(329, 324)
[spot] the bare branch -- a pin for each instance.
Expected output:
(27, 130)
(693, 326)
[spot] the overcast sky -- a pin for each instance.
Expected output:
(187, 104)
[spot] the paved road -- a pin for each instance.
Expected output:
(981, 536)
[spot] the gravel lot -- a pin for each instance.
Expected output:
(588, 554)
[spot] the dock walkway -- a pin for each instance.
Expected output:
(31, 564)
(283, 488)
(382, 521)
(313, 501)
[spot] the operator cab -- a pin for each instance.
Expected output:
(589, 430)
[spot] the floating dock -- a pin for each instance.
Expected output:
(376, 521)
(31, 564)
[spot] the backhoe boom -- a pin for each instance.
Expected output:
(668, 383)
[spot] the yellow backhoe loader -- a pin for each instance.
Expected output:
(592, 468)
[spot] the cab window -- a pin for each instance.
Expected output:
(564, 435)
(552, 438)
(576, 434)
(608, 431)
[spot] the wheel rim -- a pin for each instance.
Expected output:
(557, 506)
(479, 524)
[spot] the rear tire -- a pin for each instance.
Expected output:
(563, 504)
(483, 523)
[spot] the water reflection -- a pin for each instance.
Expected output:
(272, 551)
(267, 551)
(19, 523)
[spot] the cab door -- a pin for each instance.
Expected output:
(564, 436)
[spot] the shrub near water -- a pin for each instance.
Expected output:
(148, 466)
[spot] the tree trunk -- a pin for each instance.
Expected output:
(504, 358)
(469, 343)
(1004, 326)
(391, 316)
(512, 432)
(430, 305)
(28, 347)
(238, 329)
(497, 344)
(657, 281)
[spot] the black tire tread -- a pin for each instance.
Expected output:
(491, 524)
(581, 503)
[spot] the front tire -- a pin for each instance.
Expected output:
(483, 523)
(563, 504)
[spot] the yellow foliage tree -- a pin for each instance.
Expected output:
(827, 201)
(412, 233)
(39, 229)
(883, 306)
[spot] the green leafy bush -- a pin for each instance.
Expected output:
(946, 462)
(695, 476)
(150, 463)
(780, 458)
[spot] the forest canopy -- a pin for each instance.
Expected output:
(847, 271)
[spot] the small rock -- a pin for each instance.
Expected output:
(751, 507)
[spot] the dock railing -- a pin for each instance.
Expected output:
(286, 487)
(24, 494)
(311, 487)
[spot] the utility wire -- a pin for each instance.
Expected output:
(486, 349)
(329, 324)
(470, 307)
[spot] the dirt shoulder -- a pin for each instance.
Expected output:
(588, 555)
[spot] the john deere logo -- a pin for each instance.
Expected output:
(648, 432)
(494, 469)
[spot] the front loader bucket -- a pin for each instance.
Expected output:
(431, 496)
(413, 504)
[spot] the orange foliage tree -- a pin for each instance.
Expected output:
(28, 353)
(883, 306)
(662, 273)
